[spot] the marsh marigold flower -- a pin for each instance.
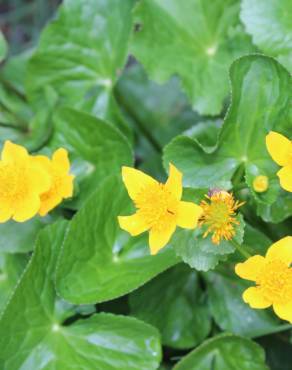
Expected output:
(272, 275)
(280, 149)
(219, 215)
(159, 207)
(61, 181)
(22, 181)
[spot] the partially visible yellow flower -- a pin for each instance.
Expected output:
(61, 181)
(218, 216)
(273, 277)
(22, 181)
(260, 183)
(280, 149)
(159, 207)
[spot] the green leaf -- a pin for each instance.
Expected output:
(269, 24)
(11, 268)
(193, 40)
(3, 47)
(277, 212)
(260, 103)
(20, 122)
(226, 352)
(228, 308)
(36, 339)
(81, 54)
(96, 148)
(179, 313)
(20, 237)
(201, 253)
(162, 110)
(110, 263)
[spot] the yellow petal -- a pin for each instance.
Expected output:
(134, 224)
(5, 212)
(158, 238)
(281, 250)
(174, 182)
(39, 179)
(60, 159)
(255, 299)
(284, 311)
(285, 176)
(48, 202)
(279, 147)
(135, 181)
(27, 208)
(67, 186)
(14, 153)
(250, 268)
(188, 215)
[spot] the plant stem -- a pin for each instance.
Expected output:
(241, 250)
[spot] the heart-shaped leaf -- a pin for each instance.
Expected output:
(100, 262)
(260, 103)
(35, 337)
(194, 40)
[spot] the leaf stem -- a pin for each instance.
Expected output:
(241, 250)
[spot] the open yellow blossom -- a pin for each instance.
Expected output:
(273, 277)
(260, 183)
(22, 181)
(280, 149)
(159, 207)
(218, 216)
(61, 181)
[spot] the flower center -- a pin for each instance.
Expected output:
(275, 282)
(219, 215)
(157, 206)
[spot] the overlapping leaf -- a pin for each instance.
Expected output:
(227, 307)
(261, 90)
(269, 24)
(99, 262)
(179, 312)
(226, 352)
(20, 238)
(96, 148)
(11, 268)
(81, 54)
(194, 40)
(36, 339)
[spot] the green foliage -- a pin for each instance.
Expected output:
(194, 40)
(145, 83)
(180, 314)
(103, 340)
(224, 352)
(269, 24)
(109, 264)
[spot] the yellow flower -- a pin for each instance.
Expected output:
(219, 215)
(61, 181)
(21, 183)
(273, 277)
(159, 207)
(280, 149)
(260, 183)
